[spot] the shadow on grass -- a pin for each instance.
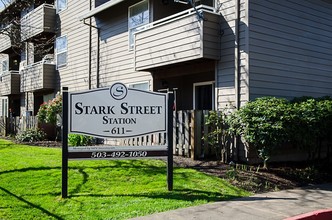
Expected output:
(177, 194)
(147, 169)
(31, 204)
(29, 169)
(5, 146)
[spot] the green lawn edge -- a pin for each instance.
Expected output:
(30, 186)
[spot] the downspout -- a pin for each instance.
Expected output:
(237, 54)
(90, 51)
(90, 45)
(237, 73)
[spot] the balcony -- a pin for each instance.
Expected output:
(179, 38)
(40, 20)
(10, 83)
(8, 38)
(37, 77)
(5, 43)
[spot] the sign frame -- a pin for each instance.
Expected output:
(113, 152)
(113, 110)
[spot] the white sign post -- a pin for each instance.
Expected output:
(116, 112)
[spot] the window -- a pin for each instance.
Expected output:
(203, 96)
(138, 16)
(205, 2)
(141, 86)
(61, 51)
(4, 107)
(61, 5)
(4, 67)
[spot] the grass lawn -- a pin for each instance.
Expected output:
(30, 186)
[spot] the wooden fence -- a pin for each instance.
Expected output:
(188, 133)
(14, 125)
(188, 136)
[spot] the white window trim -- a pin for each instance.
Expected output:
(131, 47)
(56, 52)
(4, 105)
(204, 84)
(141, 82)
(63, 9)
(2, 70)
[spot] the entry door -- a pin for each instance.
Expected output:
(204, 96)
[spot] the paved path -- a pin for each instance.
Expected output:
(267, 206)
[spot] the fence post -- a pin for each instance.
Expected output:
(175, 150)
(64, 191)
(170, 142)
(197, 134)
(186, 134)
(192, 134)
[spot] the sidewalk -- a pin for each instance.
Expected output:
(271, 206)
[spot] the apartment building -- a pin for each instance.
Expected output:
(213, 53)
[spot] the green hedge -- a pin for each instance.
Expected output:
(269, 122)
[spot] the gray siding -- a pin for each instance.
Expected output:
(290, 48)
(41, 19)
(75, 74)
(5, 42)
(227, 66)
(37, 77)
(10, 83)
(116, 60)
(178, 40)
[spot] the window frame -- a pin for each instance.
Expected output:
(63, 51)
(212, 83)
(4, 67)
(59, 10)
(131, 85)
(213, 3)
(131, 35)
(4, 106)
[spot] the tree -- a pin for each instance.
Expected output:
(10, 25)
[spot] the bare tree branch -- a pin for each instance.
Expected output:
(10, 25)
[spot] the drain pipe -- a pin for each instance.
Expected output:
(90, 51)
(237, 73)
(237, 54)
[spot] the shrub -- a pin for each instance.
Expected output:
(261, 123)
(79, 140)
(268, 122)
(30, 135)
(49, 111)
(218, 135)
(311, 125)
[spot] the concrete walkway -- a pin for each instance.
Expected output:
(273, 205)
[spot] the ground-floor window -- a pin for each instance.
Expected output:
(203, 96)
(4, 104)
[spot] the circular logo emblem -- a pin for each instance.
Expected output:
(118, 91)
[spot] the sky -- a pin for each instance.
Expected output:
(1, 6)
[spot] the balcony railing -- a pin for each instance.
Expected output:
(10, 83)
(38, 76)
(178, 38)
(5, 43)
(8, 37)
(40, 20)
